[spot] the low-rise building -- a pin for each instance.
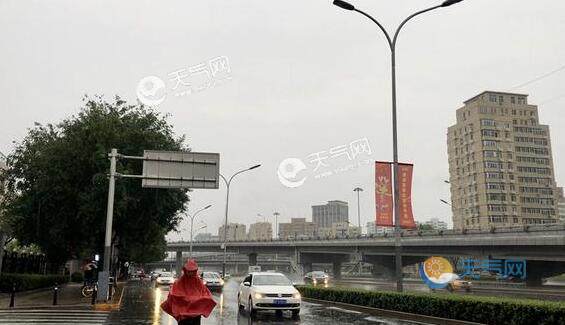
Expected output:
(374, 230)
(339, 230)
(235, 232)
(204, 236)
(260, 231)
(297, 228)
(436, 224)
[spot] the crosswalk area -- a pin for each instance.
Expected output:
(52, 316)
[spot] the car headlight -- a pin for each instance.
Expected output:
(204, 282)
(221, 282)
(259, 295)
(314, 281)
(296, 295)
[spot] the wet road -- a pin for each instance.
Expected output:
(141, 302)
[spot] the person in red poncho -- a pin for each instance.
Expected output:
(189, 299)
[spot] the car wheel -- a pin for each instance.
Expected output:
(239, 305)
(467, 289)
(450, 288)
(252, 311)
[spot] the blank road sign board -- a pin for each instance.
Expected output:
(178, 169)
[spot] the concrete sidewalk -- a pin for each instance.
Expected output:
(68, 295)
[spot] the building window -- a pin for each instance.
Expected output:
(487, 122)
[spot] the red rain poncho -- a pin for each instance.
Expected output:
(188, 296)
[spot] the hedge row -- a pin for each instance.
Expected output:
(486, 310)
(29, 281)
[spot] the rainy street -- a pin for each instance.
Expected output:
(141, 305)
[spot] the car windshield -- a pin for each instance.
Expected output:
(271, 280)
(318, 274)
(210, 275)
(166, 275)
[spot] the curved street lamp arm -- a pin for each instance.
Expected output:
(393, 43)
(378, 24)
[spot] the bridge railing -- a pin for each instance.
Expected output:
(412, 233)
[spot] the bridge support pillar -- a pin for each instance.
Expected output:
(337, 269)
(252, 259)
(179, 263)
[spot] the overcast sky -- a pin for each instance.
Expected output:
(305, 77)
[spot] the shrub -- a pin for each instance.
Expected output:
(77, 277)
(486, 310)
(29, 281)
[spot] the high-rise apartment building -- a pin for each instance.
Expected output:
(260, 231)
(327, 214)
(236, 232)
(500, 164)
(561, 204)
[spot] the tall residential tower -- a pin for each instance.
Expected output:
(500, 164)
(327, 214)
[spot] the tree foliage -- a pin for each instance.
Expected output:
(57, 185)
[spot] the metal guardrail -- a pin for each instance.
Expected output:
(410, 233)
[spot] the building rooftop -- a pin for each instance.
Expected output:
(493, 92)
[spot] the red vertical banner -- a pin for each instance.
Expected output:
(405, 195)
(383, 193)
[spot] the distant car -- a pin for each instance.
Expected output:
(212, 280)
(165, 278)
(268, 291)
(316, 277)
(459, 284)
(154, 274)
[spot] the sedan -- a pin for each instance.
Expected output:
(165, 278)
(268, 291)
(316, 277)
(212, 280)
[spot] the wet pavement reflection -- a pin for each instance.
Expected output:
(141, 305)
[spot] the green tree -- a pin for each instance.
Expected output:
(57, 184)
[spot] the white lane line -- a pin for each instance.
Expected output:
(345, 310)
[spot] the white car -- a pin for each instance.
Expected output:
(268, 291)
(212, 280)
(165, 278)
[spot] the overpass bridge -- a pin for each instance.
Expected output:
(543, 247)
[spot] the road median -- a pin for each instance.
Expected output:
(455, 309)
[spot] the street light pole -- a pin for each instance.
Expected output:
(392, 44)
(276, 214)
(192, 217)
(358, 189)
(228, 182)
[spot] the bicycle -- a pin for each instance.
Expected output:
(89, 288)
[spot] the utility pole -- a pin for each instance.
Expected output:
(276, 214)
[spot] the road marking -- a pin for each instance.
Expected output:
(389, 322)
(344, 310)
(54, 316)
